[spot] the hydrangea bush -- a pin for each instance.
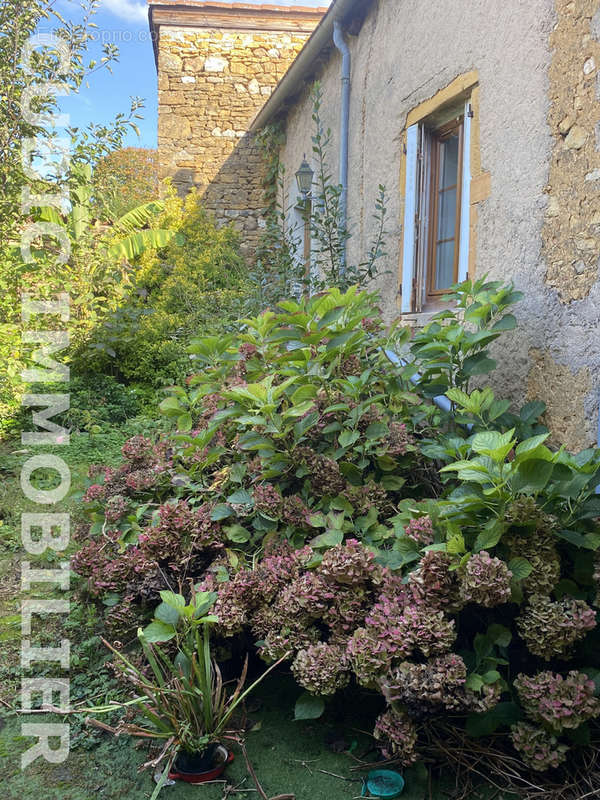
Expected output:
(444, 561)
(297, 429)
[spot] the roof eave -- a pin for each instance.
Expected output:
(272, 11)
(153, 34)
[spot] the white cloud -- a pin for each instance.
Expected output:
(127, 9)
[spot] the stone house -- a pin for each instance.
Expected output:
(483, 121)
(217, 65)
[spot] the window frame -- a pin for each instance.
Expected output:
(438, 136)
(415, 275)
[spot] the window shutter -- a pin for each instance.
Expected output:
(422, 217)
(465, 214)
(410, 208)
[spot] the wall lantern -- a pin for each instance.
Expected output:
(304, 177)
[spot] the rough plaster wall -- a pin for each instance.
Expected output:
(406, 52)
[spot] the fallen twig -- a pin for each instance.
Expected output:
(487, 759)
(341, 777)
(101, 726)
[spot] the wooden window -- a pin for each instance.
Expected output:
(443, 246)
(436, 209)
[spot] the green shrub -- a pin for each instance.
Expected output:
(196, 283)
(444, 560)
(99, 400)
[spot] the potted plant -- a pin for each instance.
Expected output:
(184, 701)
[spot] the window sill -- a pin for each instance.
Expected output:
(418, 319)
(412, 319)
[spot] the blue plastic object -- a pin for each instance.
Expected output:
(383, 783)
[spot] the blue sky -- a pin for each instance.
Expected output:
(125, 23)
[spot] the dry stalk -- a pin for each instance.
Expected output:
(451, 749)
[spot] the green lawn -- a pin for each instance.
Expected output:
(289, 757)
(84, 449)
(286, 755)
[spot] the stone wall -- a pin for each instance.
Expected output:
(572, 230)
(211, 83)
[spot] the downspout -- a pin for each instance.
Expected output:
(342, 46)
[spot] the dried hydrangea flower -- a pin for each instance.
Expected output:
(410, 627)
(485, 580)
(195, 523)
(323, 472)
(95, 492)
(231, 608)
(524, 512)
(279, 637)
(364, 498)
(550, 628)
(116, 574)
(430, 631)
(140, 480)
(295, 512)
(435, 683)
(115, 508)
(433, 583)
(321, 668)
(420, 530)
(138, 449)
(545, 563)
(93, 555)
(399, 439)
(539, 548)
(309, 594)
(484, 700)
(536, 543)
(267, 500)
(398, 735)
(351, 365)
(559, 702)
(347, 609)
(538, 748)
(385, 623)
(349, 563)
(369, 657)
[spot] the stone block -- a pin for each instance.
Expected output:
(216, 64)
(576, 138)
(195, 64)
(169, 62)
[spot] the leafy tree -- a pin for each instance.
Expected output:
(21, 71)
(124, 179)
(19, 21)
